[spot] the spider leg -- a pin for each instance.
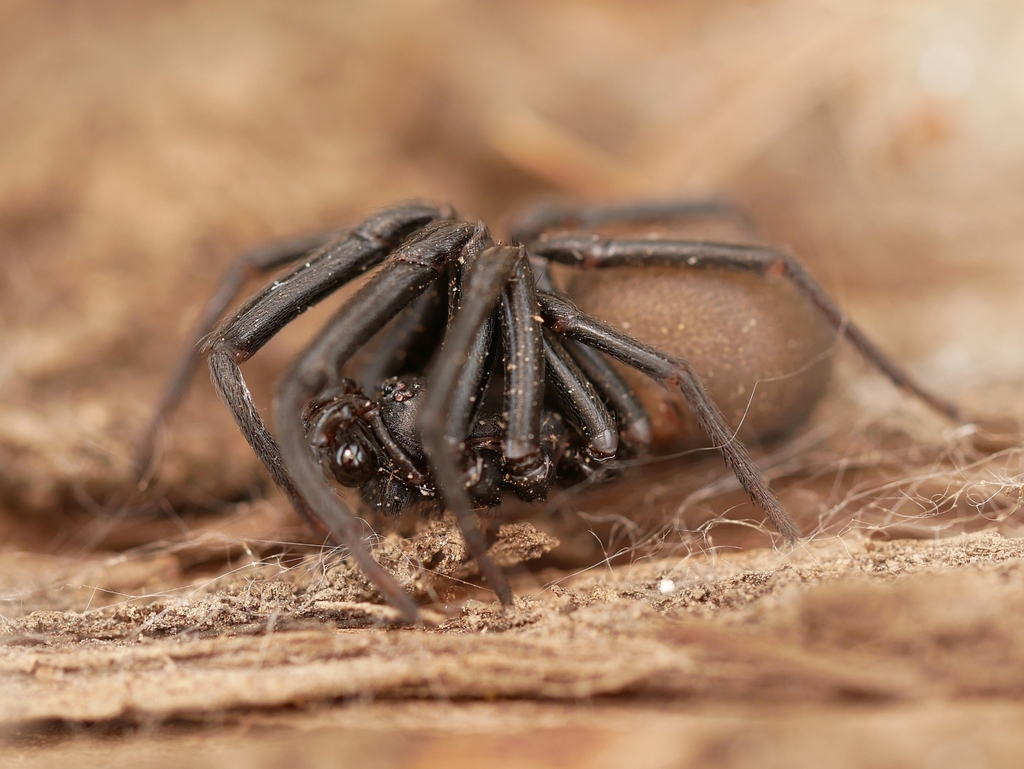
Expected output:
(261, 318)
(284, 300)
(409, 272)
(471, 386)
(473, 380)
(594, 251)
(339, 259)
(281, 302)
(529, 468)
(404, 338)
(257, 261)
(476, 369)
(546, 216)
(580, 402)
(635, 429)
(486, 279)
(562, 317)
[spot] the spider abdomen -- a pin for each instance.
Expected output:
(758, 345)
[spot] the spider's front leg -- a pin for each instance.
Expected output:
(416, 329)
(281, 302)
(582, 408)
(408, 273)
(443, 422)
(528, 468)
(444, 419)
(257, 261)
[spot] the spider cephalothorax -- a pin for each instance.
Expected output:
(485, 378)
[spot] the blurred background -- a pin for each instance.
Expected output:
(143, 145)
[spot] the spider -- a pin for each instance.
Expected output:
(451, 302)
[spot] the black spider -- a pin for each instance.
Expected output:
(456, 301)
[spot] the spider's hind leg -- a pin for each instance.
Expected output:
(634, 424)
(562, 317)
(595, 252)
(443, 435)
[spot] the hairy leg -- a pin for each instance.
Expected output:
(486, 279)
(411, 269)
(258, 261)
(593, 251)
(562, 317)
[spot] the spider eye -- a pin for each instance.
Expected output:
(352, 461)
